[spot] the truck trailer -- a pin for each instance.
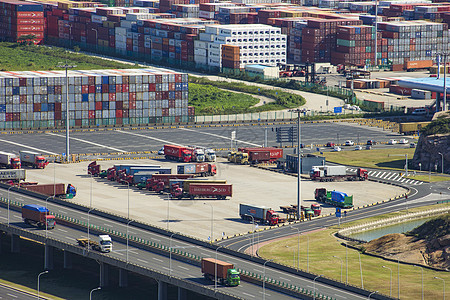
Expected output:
(262, 214)
(334, 198)
(198, 169)
(274, 153)
(9, 160)
(178, 153)
(38, 216)
(104, 243)
(14, 175)
(199, 190)
(160, 182)
(33, 159)
(336, 173)
(57, 189)
(225, 272)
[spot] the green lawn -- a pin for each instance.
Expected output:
(41, 58)
(323, 246)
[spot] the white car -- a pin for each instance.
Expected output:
(358, 148)
(337, 149)
(349, 143)
(161, 151)
(403, 141)
(392, 142)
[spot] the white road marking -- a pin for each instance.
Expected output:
(183, 268)
(144, 261)
(157, 259)
(166, 268)
(220, 136)
(32, 148)
(18, 217)
(285, 278)
(148, 137)
(257, 270)
(109, 225)
(62, 230)
(249, 295)
(340, 296)
(205, 254)
(117, 252)
(382, 175)
(69, 237)
(87, 142)
(11, 295)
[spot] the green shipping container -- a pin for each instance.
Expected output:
(368, 49)
(346, 43)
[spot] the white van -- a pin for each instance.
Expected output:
(419, 111)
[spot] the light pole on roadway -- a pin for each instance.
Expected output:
(39, 276)
(342, 262)
(314, 284)
(93, 290)
(390, 280)
(215, 270)
(264, 278)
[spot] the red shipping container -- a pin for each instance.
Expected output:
(91, 89)
(98, 105)
(118, 113)
(84, 89)
(132, 96)
(57, 115)
(112, 97)
(124, 88)
(119, 105)
(91, 114)
(78, 122)
(132, 104)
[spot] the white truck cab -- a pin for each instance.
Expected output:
(105, 243)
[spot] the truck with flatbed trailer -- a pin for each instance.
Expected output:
(198, 169)
(261, 214)
(225, 272)
(203, 189)
(9, 160)
(37, 215)
(178, 153)
(336, 173)
(104, 243)
(12, 175)
(33, 159)
(334, 198)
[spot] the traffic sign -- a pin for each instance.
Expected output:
(337, 110)
(338, 212)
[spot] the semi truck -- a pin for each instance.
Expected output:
(38, 216)
(113, 172)
(334, 198)
(33, 159)
(203, 189)
(160, 182)
(225, 272)
(57, 189)
(198, 155)
(12, 175)
(178, 153)
(412, 127)
(198, 169)
(261, 214)
(9, 160)
(334, 173)
(210, 155)
(274, 153)
(104, 243)
(124, 177)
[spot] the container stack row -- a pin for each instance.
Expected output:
(37, 99)
(20, 19)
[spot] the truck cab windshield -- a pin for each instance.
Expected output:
(105, 243)
(42, 160)
(234, 276)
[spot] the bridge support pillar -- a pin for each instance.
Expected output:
(48, 258)
(182, 294)
(123, 278)
(67, 260)
(162, 290)
(15, 243)
(104, 275)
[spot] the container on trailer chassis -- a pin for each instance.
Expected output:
(34, 159)
(225, 272)
(14, 175)
(9, 160)
(53, 189)
(38, 216)
(202, 189)
(333, 173)
(160, 182)
(334, 198)
(262, 214)
(198, 169)
(178, 153)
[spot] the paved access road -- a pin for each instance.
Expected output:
(127, 140)
(163, 263)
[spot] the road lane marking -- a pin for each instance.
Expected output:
(257, 270)
(109, 225)
(340, 296)
(168, 269)
(285, 278)
(32, 148)
(144, 261)
(205, 254)
(220, 136)
(183, 268)
(11, 295)
(61, 230)
(87, 142)
(148, 137)
(157, 259)
(249, 295)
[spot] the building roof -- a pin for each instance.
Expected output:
(260, 67)
(428, 84)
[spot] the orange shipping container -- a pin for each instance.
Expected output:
(418, 64)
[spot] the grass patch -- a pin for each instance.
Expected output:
(321, 261)
(14, 57)
(427, 178)
(208, 99)
(372, 158)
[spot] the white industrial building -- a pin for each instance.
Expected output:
(258, 44)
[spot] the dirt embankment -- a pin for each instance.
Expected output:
(428, 244)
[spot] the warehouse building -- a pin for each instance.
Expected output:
(37, 99)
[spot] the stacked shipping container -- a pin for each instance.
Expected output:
(19, 19)
(96, 97)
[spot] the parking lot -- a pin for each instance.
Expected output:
(193, 217)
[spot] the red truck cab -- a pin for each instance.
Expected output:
(40, 162)
(272, 217)
(15, 163)
(362, 173)
(317, 209)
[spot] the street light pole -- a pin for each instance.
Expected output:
(128, 223)
(442, 159)
(421, 269)
(371, 294)
(67, 66)
(314, 283)
(443, 281)
(170, 253)
(264, 278)
(46, 221)
(360, 269)
(93, 290)
(89, 226)
(253, 232)
(42, 273)
(9, 201)
(212, 223)
(342, 262)
(298, 247)
(390, 280)
(215, 270)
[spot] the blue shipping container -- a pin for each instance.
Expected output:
(186, 169)
(338, 196)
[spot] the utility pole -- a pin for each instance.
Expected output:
(67, 66)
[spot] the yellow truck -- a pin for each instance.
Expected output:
(411, 128)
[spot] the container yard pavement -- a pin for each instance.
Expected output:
(193, 217)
